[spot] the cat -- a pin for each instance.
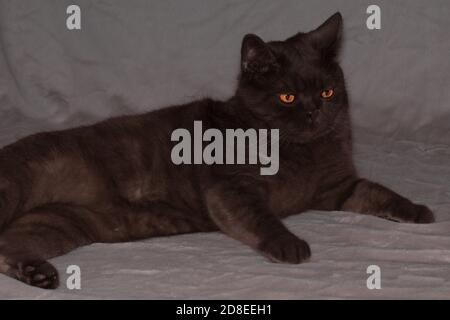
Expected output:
(114, 181)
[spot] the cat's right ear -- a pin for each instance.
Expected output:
(256, 57)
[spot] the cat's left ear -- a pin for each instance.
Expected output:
(327, 37)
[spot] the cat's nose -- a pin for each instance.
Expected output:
(311, 116)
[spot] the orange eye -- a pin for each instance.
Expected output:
(326, 94)
(287, 98)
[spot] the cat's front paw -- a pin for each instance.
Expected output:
(285, 249)
(423, 214)
(38, 273)
(406, 211)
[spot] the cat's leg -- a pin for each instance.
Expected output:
(372, 198)
(12, 194)
(55, 229)
(159, 218)
(239, 211)
(43, 233)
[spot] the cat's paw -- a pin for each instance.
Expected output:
(423, 214)
(286, 249)
(37, 273)
(406, 211)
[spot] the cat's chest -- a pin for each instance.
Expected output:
(292, 189)
(296, 185)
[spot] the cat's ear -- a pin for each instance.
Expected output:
(327, 37)
(256, 56)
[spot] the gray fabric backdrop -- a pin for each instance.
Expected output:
(140, 55)
(136, 55)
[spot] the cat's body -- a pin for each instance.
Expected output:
(115, 181)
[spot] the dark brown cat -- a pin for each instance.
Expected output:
(115, 181)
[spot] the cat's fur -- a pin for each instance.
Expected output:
(114, 181)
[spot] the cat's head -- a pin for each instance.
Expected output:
(296, 85)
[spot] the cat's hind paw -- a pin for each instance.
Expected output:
(38, 273)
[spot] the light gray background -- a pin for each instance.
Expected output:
(133, 56)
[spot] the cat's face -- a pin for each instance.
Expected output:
(295, 85)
